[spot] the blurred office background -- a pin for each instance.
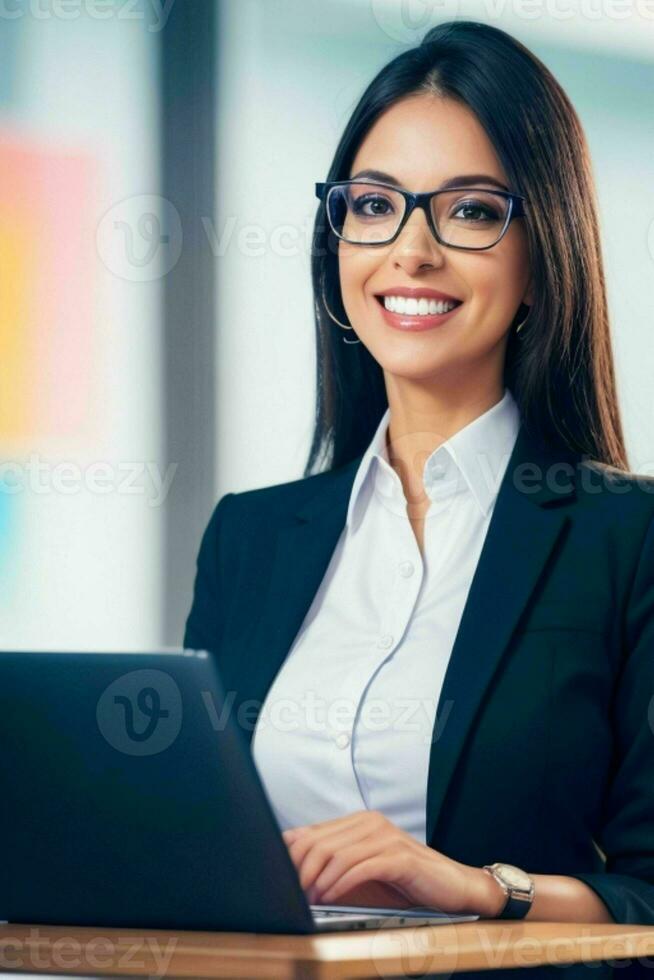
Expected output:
(157, 162)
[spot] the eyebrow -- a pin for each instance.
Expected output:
(462, 180)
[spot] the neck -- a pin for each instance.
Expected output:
(422, 418)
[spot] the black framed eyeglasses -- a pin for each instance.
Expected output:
(366, 212)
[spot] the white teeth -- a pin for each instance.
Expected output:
(417, 307)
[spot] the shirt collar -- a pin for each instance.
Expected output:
(473, 459)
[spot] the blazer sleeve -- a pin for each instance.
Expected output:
(204, 622)
(627, 833)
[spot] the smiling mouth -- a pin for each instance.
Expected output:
(417, 307)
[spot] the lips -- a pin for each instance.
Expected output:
(417, 323)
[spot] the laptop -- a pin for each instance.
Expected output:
(131, 799)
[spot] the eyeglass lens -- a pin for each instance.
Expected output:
(366, 214)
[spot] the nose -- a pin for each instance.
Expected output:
(415, 247)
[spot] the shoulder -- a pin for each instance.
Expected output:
(614, 493)
(262, 509)
(279, 501)
(614, 508)
(609, 510)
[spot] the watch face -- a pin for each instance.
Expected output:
(514, 877)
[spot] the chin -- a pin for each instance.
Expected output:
(415, 368)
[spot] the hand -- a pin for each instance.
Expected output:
(364, 859)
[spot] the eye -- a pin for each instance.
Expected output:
(379, 206)
(476, 211)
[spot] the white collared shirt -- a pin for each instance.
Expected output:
(347, 723)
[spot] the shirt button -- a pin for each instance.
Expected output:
(385, 641)
(342, 740)
(437, 471)
(406, 569)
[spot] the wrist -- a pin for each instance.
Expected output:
(487, 897)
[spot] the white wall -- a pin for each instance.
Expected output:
(82, 568)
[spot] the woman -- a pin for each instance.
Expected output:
(476, 563)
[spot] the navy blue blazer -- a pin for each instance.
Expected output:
(543, 747)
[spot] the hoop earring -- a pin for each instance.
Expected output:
(522, 323)
(342, 325)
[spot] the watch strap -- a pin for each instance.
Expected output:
(515, 908)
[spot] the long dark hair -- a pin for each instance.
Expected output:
(560, 368)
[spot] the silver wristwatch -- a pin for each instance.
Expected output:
(518, 887)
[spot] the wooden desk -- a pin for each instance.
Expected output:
(448, 948)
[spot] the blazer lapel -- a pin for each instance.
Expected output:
(523, 531)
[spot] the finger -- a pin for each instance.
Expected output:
(291, 833)
(329, 831)
(381, 867)
(347, 857)
(311, 855)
